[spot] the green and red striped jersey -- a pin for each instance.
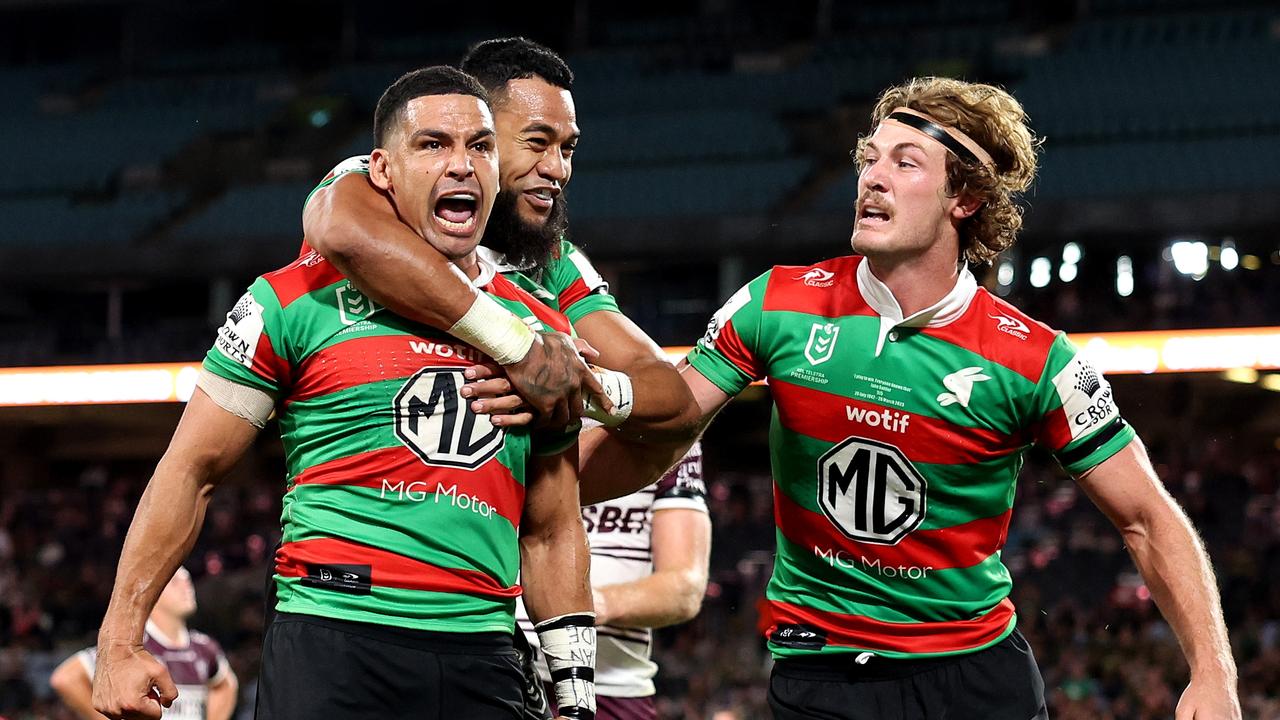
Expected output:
(895, 444)
(402, 506)
(567, 282)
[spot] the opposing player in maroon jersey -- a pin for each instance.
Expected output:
(904, 398)
(206, 684)
(649, 560)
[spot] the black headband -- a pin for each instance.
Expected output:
(936, 132)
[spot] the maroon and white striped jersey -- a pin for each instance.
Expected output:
(194, 660)
(621, 535)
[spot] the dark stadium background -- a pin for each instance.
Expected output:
(156, 156)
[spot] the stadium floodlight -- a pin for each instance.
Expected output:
(1124, 276)
(1190, 258)
(1071, 253)
(1270, 382)
(1068, 272)
(1004, 273)
(1250, 262)
(1244, 375)
(1040, 272)
(1229, 257)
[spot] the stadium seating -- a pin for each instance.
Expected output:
(59, 222)
(747, 188)
(250, 211)
(651, 138)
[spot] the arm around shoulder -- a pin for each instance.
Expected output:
(354, 225)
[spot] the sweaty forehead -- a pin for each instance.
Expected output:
(888, 136)
(534, 100)
(455, 114)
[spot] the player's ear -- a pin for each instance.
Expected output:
(379, 169)
(966, 205)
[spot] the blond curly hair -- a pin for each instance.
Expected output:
(998, 123)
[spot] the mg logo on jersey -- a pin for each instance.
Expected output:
(822, 342)
(960, 383)
(819, 278)
(353, 306)
(437, 423)
(870, 491)
(1011, 326)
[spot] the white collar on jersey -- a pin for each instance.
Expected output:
(179, 643)
(944, 312)
(499, 261)
(487, 271)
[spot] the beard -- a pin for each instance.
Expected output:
(524, 244)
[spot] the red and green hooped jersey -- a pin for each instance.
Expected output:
(567, 283)
(895, 446)
(402, 505)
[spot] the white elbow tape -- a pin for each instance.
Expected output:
(494, 330)
(242, 401)
(569, 645)
(617, 386)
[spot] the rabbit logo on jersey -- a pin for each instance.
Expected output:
(1086, 397)
(238, 336)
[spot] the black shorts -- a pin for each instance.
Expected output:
(1001, 682)
(314, 667)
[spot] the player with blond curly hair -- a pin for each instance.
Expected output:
(904, 397)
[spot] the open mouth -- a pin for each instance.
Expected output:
(456, 213)
(541, 198)
(873, 216)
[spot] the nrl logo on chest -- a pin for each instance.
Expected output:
(353, 306)
(822, 342)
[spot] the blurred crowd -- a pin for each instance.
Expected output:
(59, 545)
(1101, 644)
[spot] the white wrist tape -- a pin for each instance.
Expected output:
(242, 401)
(569, 645)
(618, 387)
(494, 330)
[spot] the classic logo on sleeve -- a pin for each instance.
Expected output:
(724, 314)
(819, 278)
(238, 336)
(1086, 397)
(1011, 326)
